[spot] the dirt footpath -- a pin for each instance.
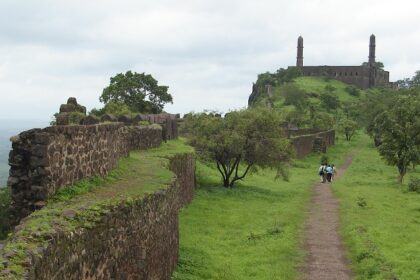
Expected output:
(325, 253)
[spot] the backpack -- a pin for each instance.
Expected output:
(322, 170)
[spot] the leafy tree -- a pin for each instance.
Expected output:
(322, 120)
(116, 108)
(287, 75)
(294, 96)
(353, 91)
(404, 83)
(241, 142)
(415, 80)
(330, 101)
(295, 118)
(370, 106)
(139, 91)
(378, 65)
(400, 134)
(348, 128)
(329, 89)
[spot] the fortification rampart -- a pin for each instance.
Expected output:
(44, 160)
(132, 237)
(315, 142)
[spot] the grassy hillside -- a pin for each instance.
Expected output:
(251, 231)
(318, 84)
(380, 219)
(314, 87)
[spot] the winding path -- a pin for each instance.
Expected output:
(325, 253)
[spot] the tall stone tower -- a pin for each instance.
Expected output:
(372, 47)
(372, 66)
(299, 58)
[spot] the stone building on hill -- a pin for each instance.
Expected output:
(364, 76)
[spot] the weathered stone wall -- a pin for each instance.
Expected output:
(301, 131)
(136, 240)
(361, 76)
(45, 160)
(306, 144)
(167, 121)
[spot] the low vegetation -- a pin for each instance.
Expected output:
(4, 212)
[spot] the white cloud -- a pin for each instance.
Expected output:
(207, 52)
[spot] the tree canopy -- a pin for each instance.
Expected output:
(399, 128)
(241, 142)
(139, 91)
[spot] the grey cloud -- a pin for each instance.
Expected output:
(208, 52)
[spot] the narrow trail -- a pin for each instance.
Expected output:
(325, 252)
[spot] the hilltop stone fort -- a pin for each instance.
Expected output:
(364, 76)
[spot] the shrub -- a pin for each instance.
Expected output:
(324, 159)
(353, 91)
(4, 211)
(414, 185)
(361, 202)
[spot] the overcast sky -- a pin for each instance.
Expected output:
(207, 52)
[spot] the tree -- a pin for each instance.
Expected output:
(377, 64)
(322, 120)
(348, 128)
(415, 80)
(116, 108)
(241, 142)
(400, 134)
(330, 101)
(408, 83)
(352, 90)
(294, 96)
(329, 89)
(139, 91)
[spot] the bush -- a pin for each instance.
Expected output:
(324, 159)
(4, 212)
(414, 185)
(353, 91)
(361, 202)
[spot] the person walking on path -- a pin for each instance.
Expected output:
(321, 172)
(329, 171)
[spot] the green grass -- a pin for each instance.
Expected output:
(317, 85)
(252, 231)
(4, 211)
(382, 237)
(141, 173)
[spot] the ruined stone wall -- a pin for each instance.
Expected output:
(301, 131)
(135, 240)
(360, 76)
(306, 144)
(167, 121)
(355, 75)
(45, 160)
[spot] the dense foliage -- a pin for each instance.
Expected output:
(399, 128)
(139, 91)
(241, 142)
